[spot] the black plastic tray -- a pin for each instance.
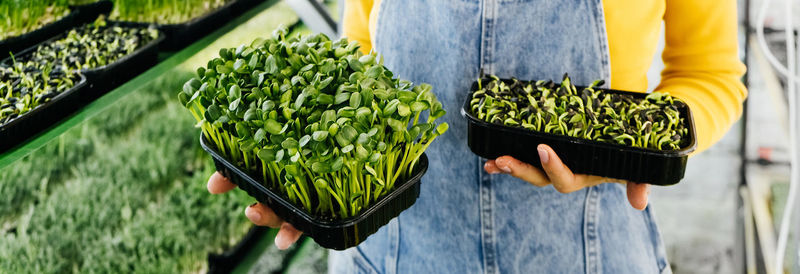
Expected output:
(21, 42)
(230, 259)
(242, 6)
(89, 12)
(338, 234)
(582, 156)
(43, 116)
(183, 34)
(105, 78)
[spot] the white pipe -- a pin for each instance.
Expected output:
(790, 72)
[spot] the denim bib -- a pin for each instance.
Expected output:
(468, 221)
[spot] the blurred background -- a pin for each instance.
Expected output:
(120, 185)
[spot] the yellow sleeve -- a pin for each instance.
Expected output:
(355, 22)
(702, 64)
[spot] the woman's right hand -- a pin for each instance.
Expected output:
(258, 213)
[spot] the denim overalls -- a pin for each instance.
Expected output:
(465, 220)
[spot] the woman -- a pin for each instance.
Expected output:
(470, 216)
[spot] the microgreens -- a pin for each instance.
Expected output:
(653, 122)
(163, 11)
(321, 123)
(90, 46)
(23, 16)
(23, 90)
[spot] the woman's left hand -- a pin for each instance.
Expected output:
(559, 175)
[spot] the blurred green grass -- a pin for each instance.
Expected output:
(125, 190)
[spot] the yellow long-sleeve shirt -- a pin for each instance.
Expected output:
(701, 59)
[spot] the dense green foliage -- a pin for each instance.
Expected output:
(18, 17)
(163, 11)
(89, 46)
(319, 122)
(653, 122)
(110, 200)
(23, 89)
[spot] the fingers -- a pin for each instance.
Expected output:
(219, 184)
(287, 236)
(637, 195)
(491, 167)
(562, 178)
(262, 215)
(521, 170)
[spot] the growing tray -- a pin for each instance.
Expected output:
(226, 262)
(335, 234)
(43, 116)
(89, 12)
(105, 78)
(183, 34)
(21, 42)
(582, 156)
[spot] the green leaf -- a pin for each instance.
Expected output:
(396, 125)
(279, 155)
(320, 167)
(325, 99)
(243, 130)
(304, 140)
(403, 110)
(347, 148)
(251, 114)
(355, 100)
(222, 69)
(442, 128)
(260, 135)
(320, 136)
(341, 98)
(270, 65)
(273, 127)
(191, 86)
(419, 106)
(290, 143)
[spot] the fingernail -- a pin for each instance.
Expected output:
(253, 215)
(281, 242)
(543, 156)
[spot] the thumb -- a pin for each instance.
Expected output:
(637, 195)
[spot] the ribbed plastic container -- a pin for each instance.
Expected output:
(21, 42)
(582, 156)
(102, 79)
(334, 234)
(43, 116)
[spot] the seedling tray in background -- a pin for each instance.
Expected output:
(335, 234)
(89, 12)
(105, 78)
(21, 42)
(183, 34)
(582, 156)
(226, 262)
(43, 116)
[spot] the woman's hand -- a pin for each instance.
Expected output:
(258, 214)
(559, 175)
